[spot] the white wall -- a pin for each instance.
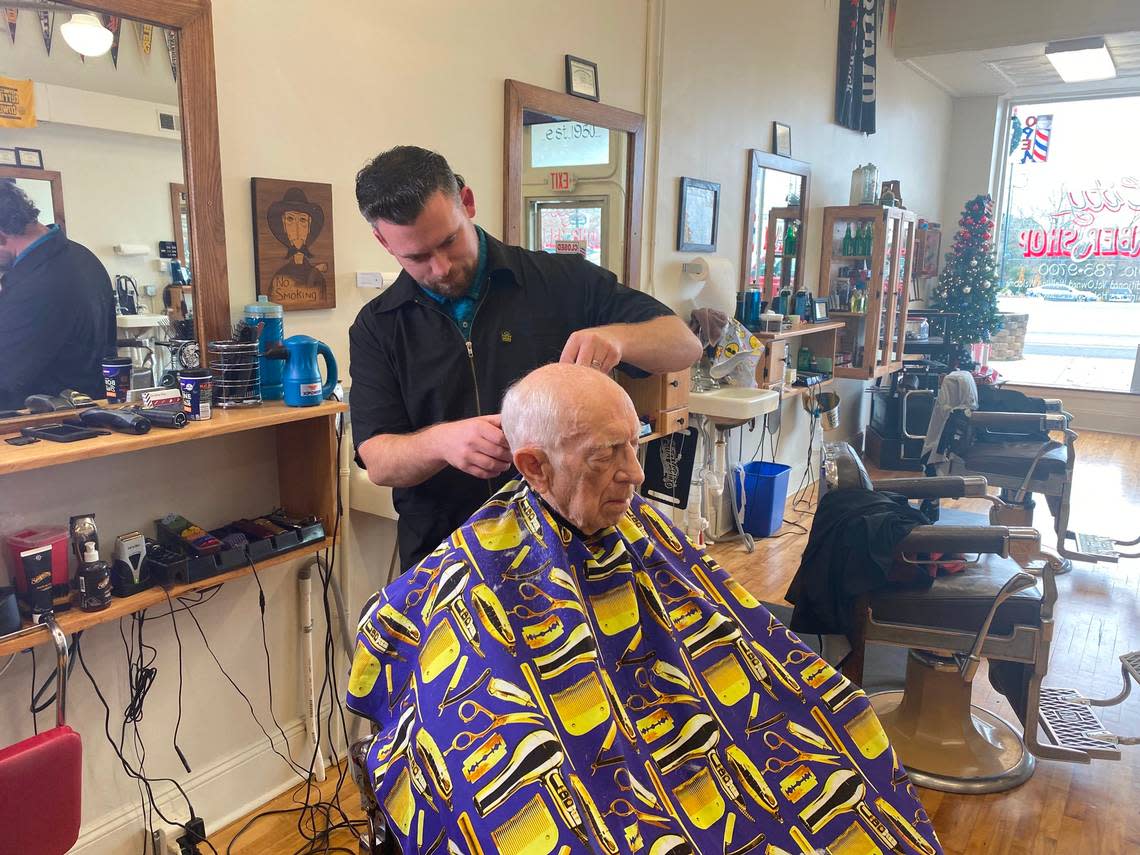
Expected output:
(729, 71)
(975, 132)
(925, 27)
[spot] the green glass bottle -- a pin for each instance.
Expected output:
(848, 242)
(790, 238)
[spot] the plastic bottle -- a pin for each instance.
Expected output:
(271, 316)
(93, 581)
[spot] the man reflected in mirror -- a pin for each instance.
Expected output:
(57, 307)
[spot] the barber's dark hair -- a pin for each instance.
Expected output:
(17, 211)
(396, 185)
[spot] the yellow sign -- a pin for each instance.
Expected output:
(17, 103)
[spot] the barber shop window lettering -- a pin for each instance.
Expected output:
(293, 243)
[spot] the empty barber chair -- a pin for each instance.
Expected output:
(1007, 440)
(999, 608)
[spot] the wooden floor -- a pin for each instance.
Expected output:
(1064, 808)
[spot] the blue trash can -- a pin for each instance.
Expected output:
(763, 493)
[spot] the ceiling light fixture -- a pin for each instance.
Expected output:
(1078, 60)
(85, 34)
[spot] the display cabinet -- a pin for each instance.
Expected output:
(867, 251)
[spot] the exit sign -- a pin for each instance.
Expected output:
(560, 180)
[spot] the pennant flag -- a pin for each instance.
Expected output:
(47, 27)
(172, 51)
(145, 33)
(114, 24)
(11, 14)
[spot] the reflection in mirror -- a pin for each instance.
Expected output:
(574, 191)
(112, 280)
(775, 227)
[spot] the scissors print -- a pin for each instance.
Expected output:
(625, 809)
(666, 579)
(639, 703)
(777, 743)
(531, 593)
(469, 711)
(798, 657)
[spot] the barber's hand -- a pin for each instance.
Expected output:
(476, 446)
(595, 348)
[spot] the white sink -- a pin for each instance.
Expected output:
(732, 403)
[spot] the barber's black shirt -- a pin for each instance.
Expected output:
(57, 322)
(411, 367)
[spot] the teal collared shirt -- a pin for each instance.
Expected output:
(462, 309)
(52, 231)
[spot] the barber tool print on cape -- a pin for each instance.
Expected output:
(542, 692)
(293, 243)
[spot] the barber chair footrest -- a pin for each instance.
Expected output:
(1069, 723)
(1131, 663)
(1100, 548)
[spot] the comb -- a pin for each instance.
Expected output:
(616, 609)
(531, 831)
(399, 802)
(439, 651)
(582, 706)
(727, 680)
(867, 733)
(854, 841)
(700, 799)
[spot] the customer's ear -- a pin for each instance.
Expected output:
(534, 465)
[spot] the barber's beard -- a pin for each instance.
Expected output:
(456, 285)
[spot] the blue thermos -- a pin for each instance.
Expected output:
(271, 316)
(301, 378)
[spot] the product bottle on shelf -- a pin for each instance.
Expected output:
(790, 238)
(848, 242)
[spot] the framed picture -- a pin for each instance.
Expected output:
(8, 157)
(781, 139)
(581, 77)
(818, 310)
(293, 243)
(698, 215)
(31, 158)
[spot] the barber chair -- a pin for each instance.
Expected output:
(41, 779)
(999, 608)
(1008, 441)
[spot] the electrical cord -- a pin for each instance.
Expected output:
(178, 720)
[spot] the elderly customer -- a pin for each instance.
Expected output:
(566, 673)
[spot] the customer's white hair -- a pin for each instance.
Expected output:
(531, 415)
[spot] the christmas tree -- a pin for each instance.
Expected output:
(968, 283)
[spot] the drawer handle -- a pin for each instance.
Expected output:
(674, 383)
(681, 420)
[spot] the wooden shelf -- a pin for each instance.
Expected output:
(23, 458)
(74, 620)
(796, 391)
(803, 329)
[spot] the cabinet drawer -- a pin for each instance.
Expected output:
(675, 390)
(671, 421)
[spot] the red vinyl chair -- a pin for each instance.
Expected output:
(41, 779)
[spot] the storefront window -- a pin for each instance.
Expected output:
(1069, 245)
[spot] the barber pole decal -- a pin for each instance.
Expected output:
(47, 27)
(145, 34)
(172, 51)
(1035, 136)
(11, 14)
(114, 24)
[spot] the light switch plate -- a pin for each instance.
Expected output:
(370, 280)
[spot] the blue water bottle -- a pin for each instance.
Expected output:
(272, 318)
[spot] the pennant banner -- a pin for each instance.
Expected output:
(11, 14)
(17, 103)
(172, 51)
(145, 33)
(47, 27)
(114, 24)
(855, 69)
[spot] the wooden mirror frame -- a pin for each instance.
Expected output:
(758, 160)
(58, 216)
(201, 154)
(523, 96)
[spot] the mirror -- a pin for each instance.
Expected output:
(125, 137)
(574, 178)
(775, 224)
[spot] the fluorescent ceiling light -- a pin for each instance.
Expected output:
(85, 34)
(1077, 60)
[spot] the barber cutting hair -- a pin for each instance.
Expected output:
(432, 356)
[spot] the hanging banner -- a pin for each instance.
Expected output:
(1035, 135)
(145, 33)
(17, 103)
(47, 27)
(855, 70)
(172, 51)
(11, 14)
(115, 24)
